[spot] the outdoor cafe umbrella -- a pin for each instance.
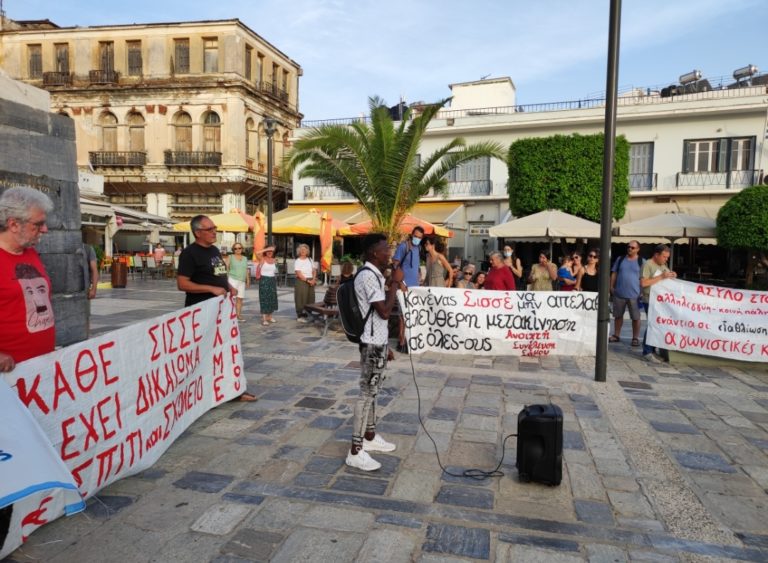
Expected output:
(549, 224)
(326, 242)
(670, 225)
(406, 226)
(307, 223)
(259, 233)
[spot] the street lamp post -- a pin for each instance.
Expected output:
(270, 126)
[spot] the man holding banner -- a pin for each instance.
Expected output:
(202, 272)
(654, 271)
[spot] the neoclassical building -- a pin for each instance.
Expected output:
(172, 115)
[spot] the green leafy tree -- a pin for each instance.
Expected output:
(566, 173)
(742, 223)
(379, 163)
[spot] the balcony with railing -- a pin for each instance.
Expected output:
(58, 78)
(117, 158)
(643, 182)
(718, 180)
(193, 159)
(319, 193)
(469, 188)
(273, 90)
(103, 76)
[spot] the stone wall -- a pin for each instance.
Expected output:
(37, 148)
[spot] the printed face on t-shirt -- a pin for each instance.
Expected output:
(219, 267)
(38, 304)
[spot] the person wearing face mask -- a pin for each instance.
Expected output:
(408, 259)
(512, 262)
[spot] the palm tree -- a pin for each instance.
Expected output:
(378, 162)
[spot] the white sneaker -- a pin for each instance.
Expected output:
(302, 320)
(378, 444)
(652, 358)
(362, 461)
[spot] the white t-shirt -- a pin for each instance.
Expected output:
(268, 270)
(306, 267)
(369, 288)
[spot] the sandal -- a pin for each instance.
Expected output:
(265, 323)
(614, 338)
(635, 342)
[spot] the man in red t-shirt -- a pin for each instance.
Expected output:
(27, 329)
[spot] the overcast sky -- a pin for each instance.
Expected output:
(553, 50)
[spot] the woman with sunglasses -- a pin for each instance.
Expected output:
(237, 273)
(266, 272)
(587, 277)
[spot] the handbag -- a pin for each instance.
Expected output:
(257, 275)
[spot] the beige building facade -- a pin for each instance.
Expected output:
(172, 115)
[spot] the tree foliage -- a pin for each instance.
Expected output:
(566, 173)
(379, 163)
(743, 221)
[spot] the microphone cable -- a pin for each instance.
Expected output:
(472, 473)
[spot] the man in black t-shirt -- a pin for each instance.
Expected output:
(202, 273)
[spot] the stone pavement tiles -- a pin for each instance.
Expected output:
(660, 464)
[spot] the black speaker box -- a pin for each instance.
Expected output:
(540, 444)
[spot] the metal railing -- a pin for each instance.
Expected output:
(730, 179)
(643, 182)
(192, 158)
(646, 98)
(58, 78)
(117, 158)
(469, 188)
(273, 90)
(325, 193)
(103, 76)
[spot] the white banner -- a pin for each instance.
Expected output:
(499, 323)
(709, 320)
(113, 404)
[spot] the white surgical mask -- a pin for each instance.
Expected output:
(416, 241)
(508, 253)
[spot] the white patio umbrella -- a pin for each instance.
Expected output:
(550, 224)
(670, 225)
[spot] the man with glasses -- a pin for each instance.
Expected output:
(625, 290)
(25, 289)
(202, 272)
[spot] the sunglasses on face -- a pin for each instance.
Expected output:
(591, 255)
(238, 248)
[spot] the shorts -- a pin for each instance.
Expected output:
(620, 305)
(239, 286)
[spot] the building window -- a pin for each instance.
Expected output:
(718, 155)
(250, 135)
(259, 68)
(35, 61)
(248, 61)
(181, 56)
(641, 166)
(135, 64)
(211, 55)
(135, 132)
(211, 132)
(61, 50)
(285, 81)
(182, 126)
(275, 70)
(106, 56)
(108, 124)
(472, 177)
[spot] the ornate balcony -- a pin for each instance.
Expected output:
(325, 193)
(727, 180)
(643, 182)
(469, 188)
(117, 158)
(273, 90)
(58, 78)
(193, 159)
(103, 76)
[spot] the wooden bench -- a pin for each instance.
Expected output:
(326, 310)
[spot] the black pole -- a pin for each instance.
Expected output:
(269, 188)
(609, 149)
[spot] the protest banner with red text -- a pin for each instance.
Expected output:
(512, 323)
(709, 320)
(113, 404)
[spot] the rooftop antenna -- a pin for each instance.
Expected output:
(481, 78)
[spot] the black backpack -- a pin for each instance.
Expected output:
(352, 318)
